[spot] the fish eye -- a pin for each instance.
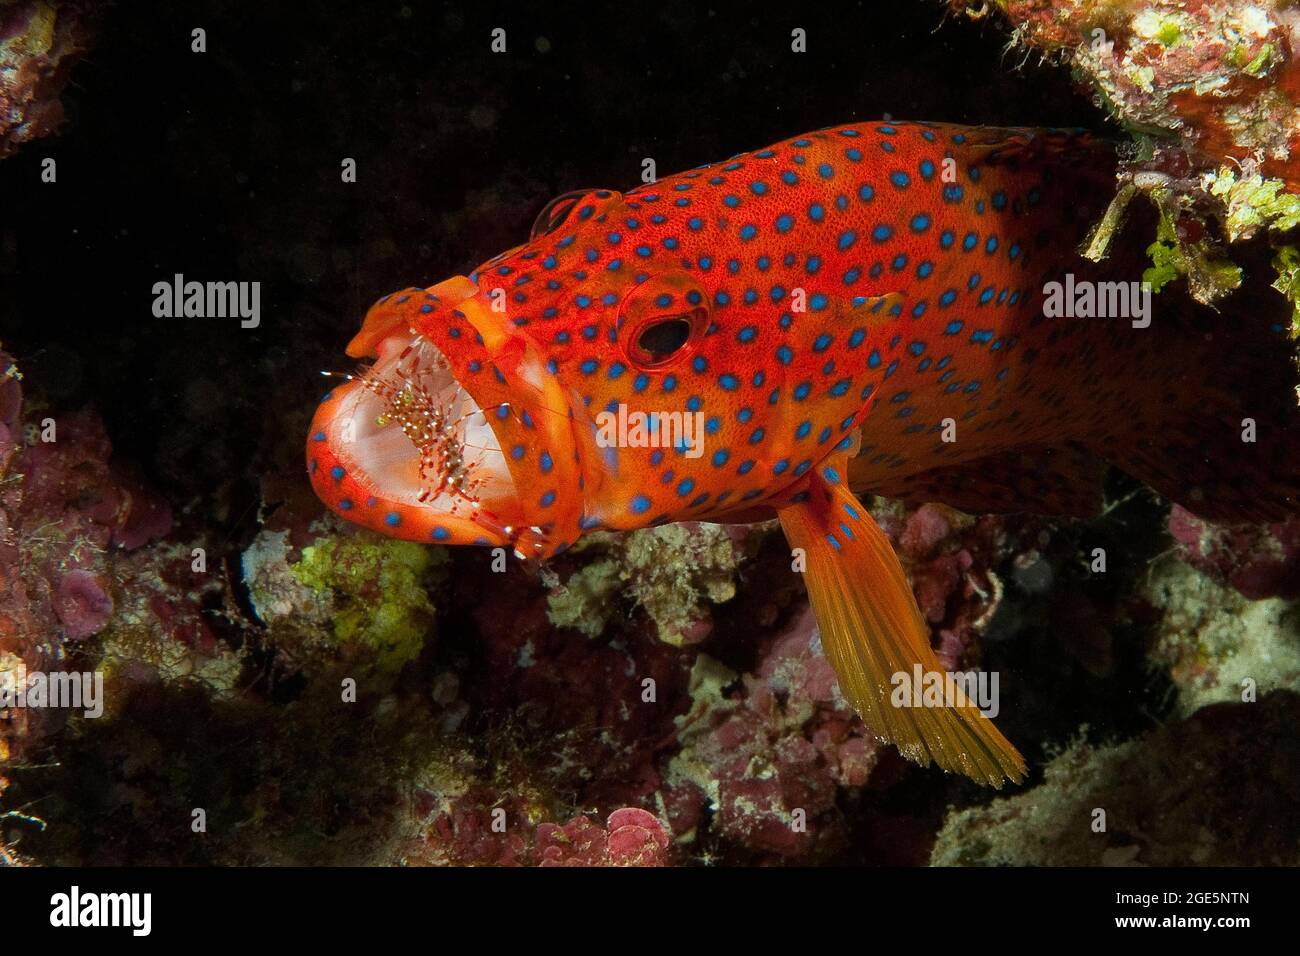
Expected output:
(662, 321)
(661, 339)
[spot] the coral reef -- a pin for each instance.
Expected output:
(952, 560)
(366, 595)
(1216, 76)
(66, 517)
(40, 41)
(674, 573)
(1136, 803)
(1216, 644)
(88, 581)
(1210, 92)
(452, 832)
(769, 759)
(1260, 561)
(1207, 785)
(670, 682)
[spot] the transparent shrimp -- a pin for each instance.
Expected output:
(433, 420)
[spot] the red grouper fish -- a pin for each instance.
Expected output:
(860, 309)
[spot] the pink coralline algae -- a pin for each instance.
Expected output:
(608, 748)
(82, 604)
(769, 757)
(66, 516)
(758, 755)
(951, 557)
(630, 837)
(1219, 74)
(1258, 560)
(66, 508)
(461, 822)
(587, 696)
(11, 407)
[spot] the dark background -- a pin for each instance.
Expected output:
(225, 165)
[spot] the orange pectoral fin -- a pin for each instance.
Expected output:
(874, 635)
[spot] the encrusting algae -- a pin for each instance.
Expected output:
(673, 573)
(345, 599)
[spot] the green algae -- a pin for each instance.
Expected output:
(1164, 27)
(378, 586)
(1209, 276)
(588, 599)
(1287, 265)
(1262, 61)
(1252, 203)
(1164, 264)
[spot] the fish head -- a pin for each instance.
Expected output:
(594, 377)
(454, 433)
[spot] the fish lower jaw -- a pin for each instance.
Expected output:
(404, 448)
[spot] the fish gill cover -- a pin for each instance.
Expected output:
(895, 405)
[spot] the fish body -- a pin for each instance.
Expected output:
(859, 309)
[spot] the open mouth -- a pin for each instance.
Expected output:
(457, 433)
(408, 441)
(410, 402)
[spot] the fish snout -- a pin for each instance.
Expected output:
(455, 434)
